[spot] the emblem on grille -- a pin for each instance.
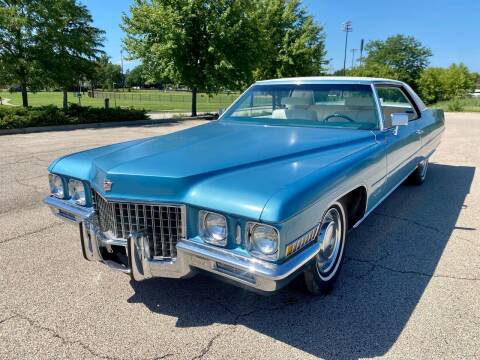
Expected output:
(107, 185)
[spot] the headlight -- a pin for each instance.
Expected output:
(56, 186)
(77, 191)
(213, 228)
(262, 241)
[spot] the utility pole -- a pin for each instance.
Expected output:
(123, 76)
(353, 57)
(362, 43)
(347, 27)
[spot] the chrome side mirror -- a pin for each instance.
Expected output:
(399, 119)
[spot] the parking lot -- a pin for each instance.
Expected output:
(410, 287)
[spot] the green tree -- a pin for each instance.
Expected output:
(207, 45)
(292, 43)
(459, 81)
(69, 43)
(44, 42)
(107, 74)
(19, 44)
(431, 85)
(399, 57)
(136, 77)
(439, 84)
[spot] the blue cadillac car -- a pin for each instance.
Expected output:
(263, 195)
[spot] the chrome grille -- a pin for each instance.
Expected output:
(164, 224)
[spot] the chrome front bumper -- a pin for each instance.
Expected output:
(192, 255)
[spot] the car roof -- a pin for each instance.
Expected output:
(326, 80)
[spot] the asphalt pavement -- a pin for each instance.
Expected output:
(410, 287)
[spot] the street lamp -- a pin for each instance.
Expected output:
(347, 27)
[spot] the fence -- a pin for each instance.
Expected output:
(173, 100)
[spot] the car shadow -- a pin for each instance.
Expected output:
(390, 259)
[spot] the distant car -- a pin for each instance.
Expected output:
(264, 194)
(476, 93)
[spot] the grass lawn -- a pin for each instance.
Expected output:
(152, 100)
(459, 105)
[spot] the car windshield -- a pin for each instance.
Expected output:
(325, 105)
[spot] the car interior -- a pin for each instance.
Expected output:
(336, 107)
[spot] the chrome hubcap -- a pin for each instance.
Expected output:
(330, 238)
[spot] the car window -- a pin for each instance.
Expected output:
(329, 105)
(259, 104)
(394, 100)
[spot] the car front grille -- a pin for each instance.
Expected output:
(164, 224)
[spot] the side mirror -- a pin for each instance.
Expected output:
(399, 119)
(221, 111)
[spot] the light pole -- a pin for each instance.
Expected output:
(347, 27)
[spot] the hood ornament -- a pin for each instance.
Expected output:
(107, 185)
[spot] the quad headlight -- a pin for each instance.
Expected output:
(262, 241)
(56, 186)
(76, 189)
(213, 228)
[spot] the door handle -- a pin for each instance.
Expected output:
(419, 132)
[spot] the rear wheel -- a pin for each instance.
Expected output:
(420, 174)
(323, 272)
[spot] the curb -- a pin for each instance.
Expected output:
(37, 129)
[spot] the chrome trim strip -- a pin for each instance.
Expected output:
(58, 206)
(258, 268)
(379, 107)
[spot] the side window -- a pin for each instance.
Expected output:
(258, 104)
(394, 100)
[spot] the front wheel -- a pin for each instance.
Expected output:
(323, 272)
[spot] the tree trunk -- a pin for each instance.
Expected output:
(194, 101)
(65, 99)
(24, 95)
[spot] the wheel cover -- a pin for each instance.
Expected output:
(330, 238)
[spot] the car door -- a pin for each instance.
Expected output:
(402, 146)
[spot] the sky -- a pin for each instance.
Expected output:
(450, 28)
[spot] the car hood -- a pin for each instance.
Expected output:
(231, 167)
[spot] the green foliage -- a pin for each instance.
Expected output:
(442, 84)
(12, 118)
(106, 74)
(292, 43)
(19, 51)
(398, 57)
(455, 105)
(465, 104)
(204, 44)
(136, 77)
(210, 45)
(68, 42)
(46, 42)
(372, 70)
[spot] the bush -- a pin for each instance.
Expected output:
(455, 105)
(13, 118)
(443, 84)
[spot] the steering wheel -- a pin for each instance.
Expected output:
(338, 116)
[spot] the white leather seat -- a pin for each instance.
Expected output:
(295, 108)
